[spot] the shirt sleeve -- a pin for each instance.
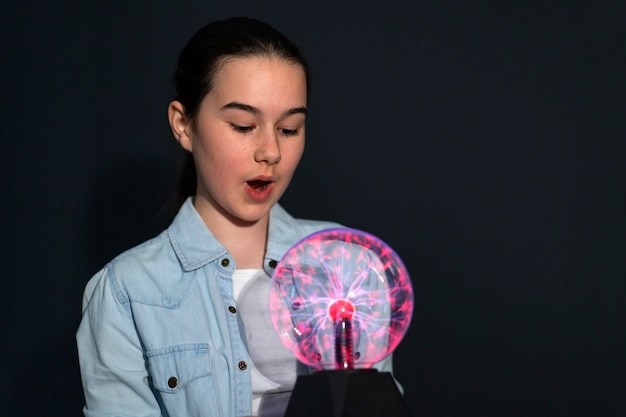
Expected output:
(112, 363)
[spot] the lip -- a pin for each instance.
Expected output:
(260, 188)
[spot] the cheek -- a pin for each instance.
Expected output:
(215, 149)
(222, 164)
(292, 155)
(211, 163)
(291, 159)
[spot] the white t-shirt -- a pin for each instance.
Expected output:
(273, 366)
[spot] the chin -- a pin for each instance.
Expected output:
(254, 214)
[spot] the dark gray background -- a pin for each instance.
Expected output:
(484, 141)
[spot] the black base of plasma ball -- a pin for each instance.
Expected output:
(350, 393)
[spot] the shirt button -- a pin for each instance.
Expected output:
(232, 309)
(225, 262)
(272, 263)
(242, 365)
(172, 382)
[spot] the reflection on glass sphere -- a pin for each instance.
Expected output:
(341, 299)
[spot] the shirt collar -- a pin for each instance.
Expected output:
(193, 242)
(195, 245)
(284, 232)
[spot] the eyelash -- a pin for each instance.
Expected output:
(241, 129)
(247, 129)
(289, 132)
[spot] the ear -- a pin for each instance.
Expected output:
(180, 124)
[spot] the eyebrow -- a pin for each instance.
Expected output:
(254, 110)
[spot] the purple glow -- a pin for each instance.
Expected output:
(341, 298)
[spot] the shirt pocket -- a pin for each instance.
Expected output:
(173, 368)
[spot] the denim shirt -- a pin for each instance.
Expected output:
(160, 334)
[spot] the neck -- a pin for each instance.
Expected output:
(245, 244)
(245, 241)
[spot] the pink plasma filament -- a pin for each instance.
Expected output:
(341, 299)
(341, 312)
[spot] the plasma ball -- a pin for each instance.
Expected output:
(341, 310)
(340, 299)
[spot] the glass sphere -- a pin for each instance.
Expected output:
(341, 298)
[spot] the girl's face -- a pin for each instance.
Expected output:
(247, 138)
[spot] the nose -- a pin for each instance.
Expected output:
(267, 148)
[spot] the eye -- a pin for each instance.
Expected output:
(288, 132)
(241, 129)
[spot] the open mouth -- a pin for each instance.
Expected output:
(258, 185)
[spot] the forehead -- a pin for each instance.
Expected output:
(253, 80)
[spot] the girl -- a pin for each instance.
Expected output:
(179, 326)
